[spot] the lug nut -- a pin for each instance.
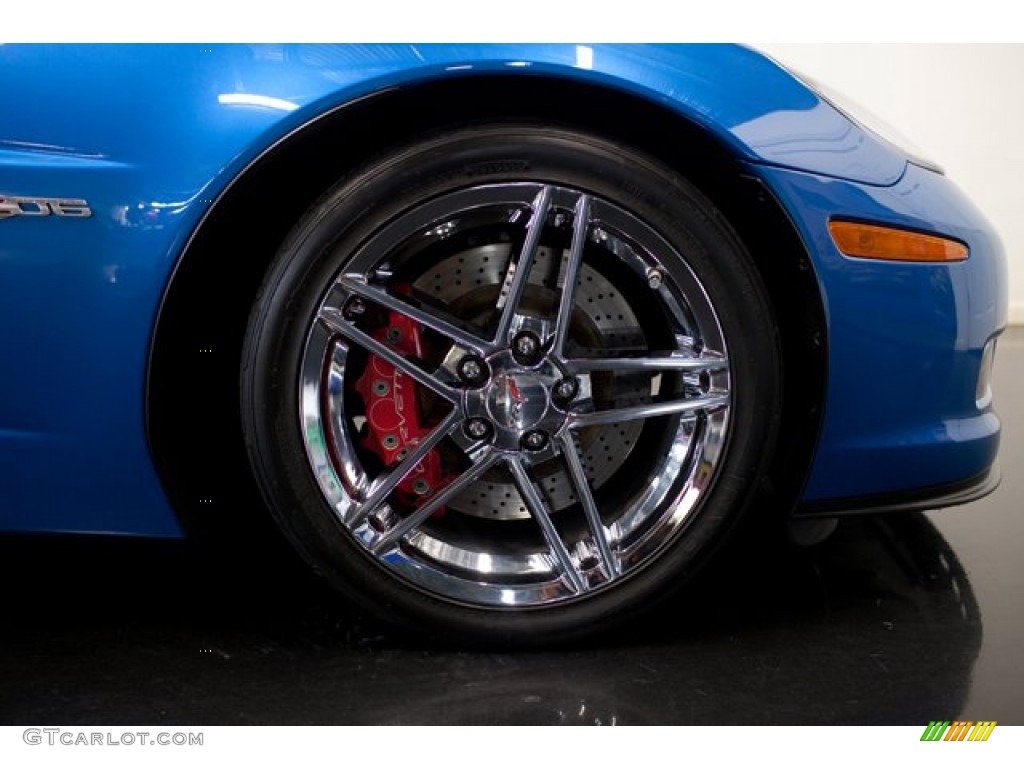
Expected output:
(420, 486)
(534, 440)
(383, 519)
(526, 348)
(654, 278)
(477, 428)
(394, 335)
(354, 308)
(565, 389)
(473, 370)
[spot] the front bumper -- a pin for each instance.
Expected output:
(902, 418)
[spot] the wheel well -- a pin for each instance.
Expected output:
(192, 390)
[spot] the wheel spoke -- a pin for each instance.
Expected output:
(449, 492)
(519, 270)
(582, 488)
(337, 323)
(475, 296)
(650, 410)
(580, 225)
(535, 504)
(384, 485)
(668, 361)
(428, 318)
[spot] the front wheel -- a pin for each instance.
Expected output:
(510, 383)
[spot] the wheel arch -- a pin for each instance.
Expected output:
(193, 426)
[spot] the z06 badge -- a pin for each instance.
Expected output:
(43, 206)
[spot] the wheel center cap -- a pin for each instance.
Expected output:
(517, 400)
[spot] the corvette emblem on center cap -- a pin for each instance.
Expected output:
(517, 401)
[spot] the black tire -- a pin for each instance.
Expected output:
(703, 282)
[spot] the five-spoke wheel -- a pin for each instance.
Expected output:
(503, 400)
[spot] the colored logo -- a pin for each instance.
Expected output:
(959, 730)
(509, 400)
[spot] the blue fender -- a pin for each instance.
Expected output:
(152, 135)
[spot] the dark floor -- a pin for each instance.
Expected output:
(902, 619)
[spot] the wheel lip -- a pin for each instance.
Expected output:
(336, 487)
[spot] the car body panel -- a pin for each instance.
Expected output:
(905, 339)
(151, 136)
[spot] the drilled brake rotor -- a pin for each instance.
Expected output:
(468, 282)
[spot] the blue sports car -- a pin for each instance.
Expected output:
(505, 339)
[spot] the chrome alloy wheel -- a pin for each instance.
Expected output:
(597, 431)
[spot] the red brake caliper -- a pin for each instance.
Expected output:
(393, 418)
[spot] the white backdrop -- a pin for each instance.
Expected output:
(963, 105)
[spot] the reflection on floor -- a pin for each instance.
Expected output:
(881, 624)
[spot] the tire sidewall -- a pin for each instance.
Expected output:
(367, 200)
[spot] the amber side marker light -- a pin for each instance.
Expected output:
(870, 241)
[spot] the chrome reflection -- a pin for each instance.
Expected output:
(556, 383)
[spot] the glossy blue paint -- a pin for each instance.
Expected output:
(152, 135)
(905, 340)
